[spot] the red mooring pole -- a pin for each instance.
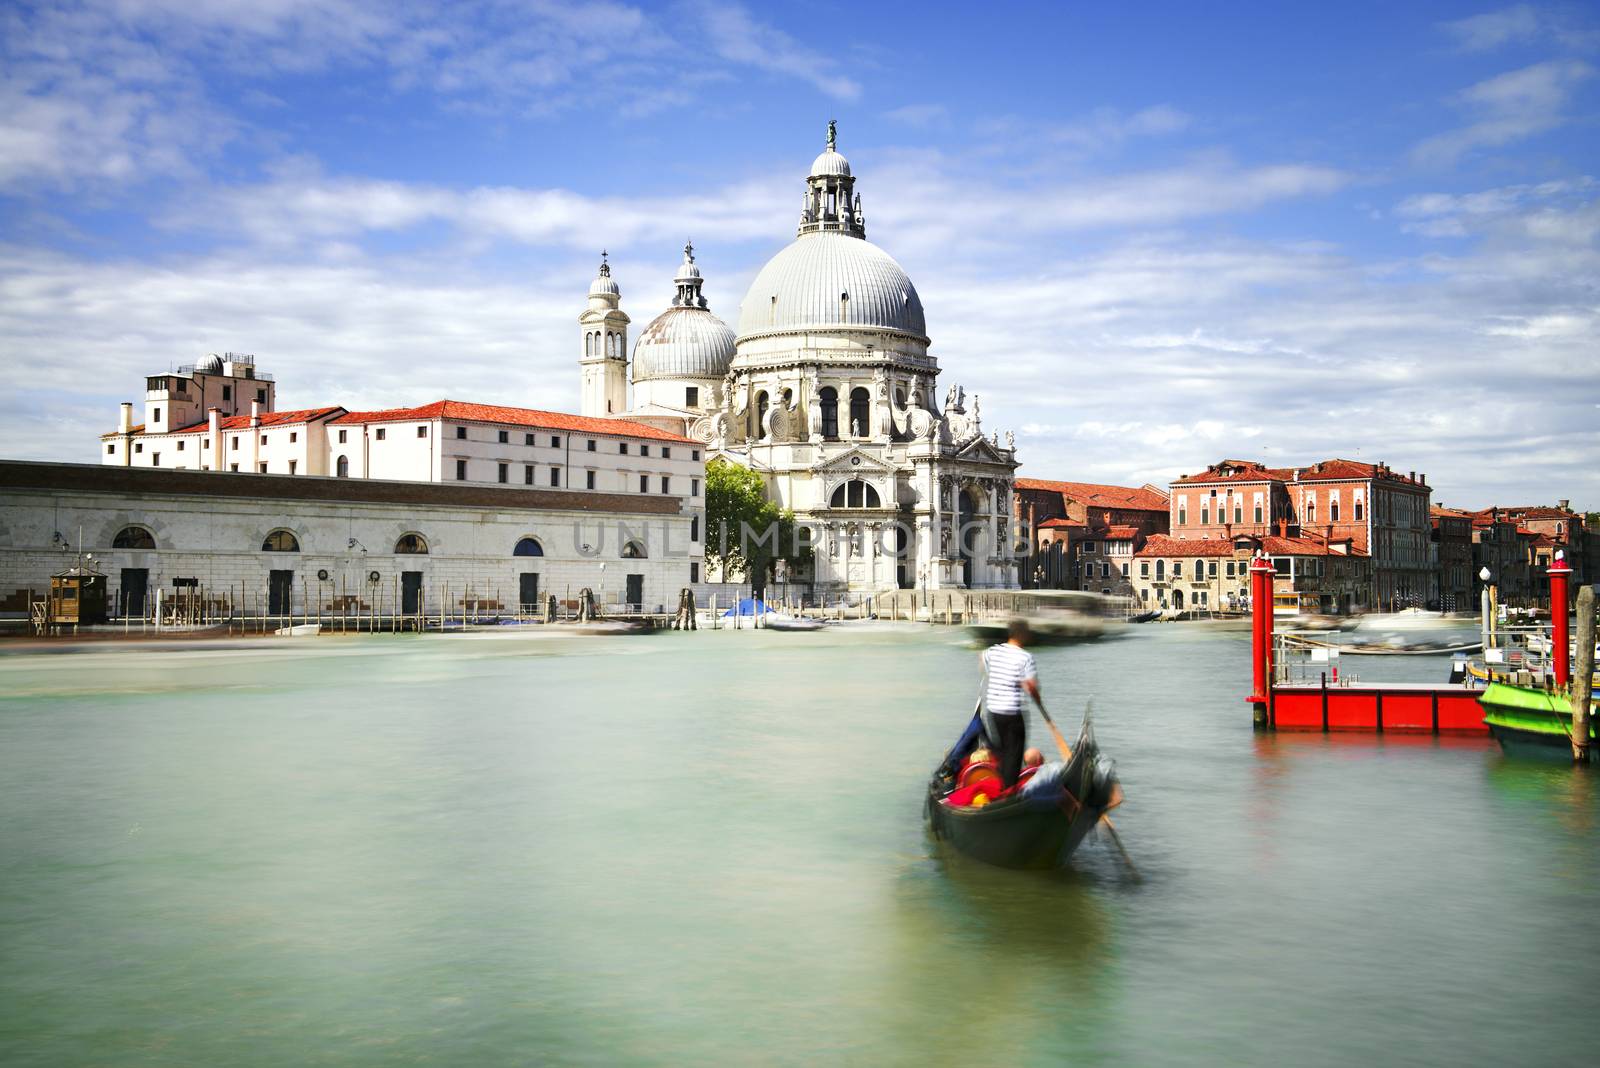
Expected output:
(1560, 654)
(1260, 638)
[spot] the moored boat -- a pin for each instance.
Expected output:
(1530, 722)
(1037, 826)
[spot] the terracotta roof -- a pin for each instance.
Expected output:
(1120, 532)
(1537, 511)
(1057, 524)
(1439, 510)
(1276, 546)
(1097, 495)
(1166, 545)
(1335, 470)
(1236, 471)
(531, 417)
(242, 422)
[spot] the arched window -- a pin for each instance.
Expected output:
(343, 468)
(281, 541)
(411, 544)
(762, 404)
(860, 411)
(1199, 569)
(634, 550)
(1161, 570)
(1311, 510)
(133, 538)
(828, 399)
(1333, 510)
(528, 547)
(855, 494)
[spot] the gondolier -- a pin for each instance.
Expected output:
(1011, 674)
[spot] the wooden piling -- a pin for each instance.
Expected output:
(1582, 678)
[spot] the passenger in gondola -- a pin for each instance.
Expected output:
(1011, 674)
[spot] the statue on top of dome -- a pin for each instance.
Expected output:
(833, 134)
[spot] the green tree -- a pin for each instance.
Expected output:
(745, 531)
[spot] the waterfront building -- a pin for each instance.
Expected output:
(1189, 574)
(1382, 513)
(1542, 531)
(1452, 553)
(828, 390)
(1311, 574)
(1082, 535)
(292, 545)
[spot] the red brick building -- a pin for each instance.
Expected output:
(1082, 535)
(1381, 513)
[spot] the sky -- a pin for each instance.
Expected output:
(1150, 236)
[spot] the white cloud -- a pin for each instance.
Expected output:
(1479, 33)
(737, 36)
(920, 115)
(1511, 107)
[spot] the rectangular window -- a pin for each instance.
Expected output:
(461, 433)
(261, 468)
(155, 459)
(666, 454)
(1144, 569)
(1124, 569)
(294, 436)
(622, 448)
(1358, 511)
(644, 483)
(1211, 569)
(292, 465)
(263, 439)
(591, 444)
(694, 454)
(180, 444)
(381, 433)
(504, 437)
(235, 443)
(691, 396)
(1105, 569)
(1177, 569)
(1183, 517)
(1258, 513)
(422, 431)
(527, 474)
(110, 449)
(233, 467)
(138, 446)
(344, 436)
(555, 442)
(1238, 512)
(694, 528)
(227, 393)
(644, 450)
(261, 396)
(1205, 515)
(1088, 546)
(588, 479)
(555, 476)
(1230, 569)
(666, 484)
(694, 487)
(157, 418)
(694, 572)
(461, 470)
(503, 473)
(527, 439)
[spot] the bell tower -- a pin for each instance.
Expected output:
(604, 335)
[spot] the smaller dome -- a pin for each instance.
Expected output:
(830, 164)
(211, 365)
(683, 343)
(604, 285)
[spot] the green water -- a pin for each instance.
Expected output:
(708, 849)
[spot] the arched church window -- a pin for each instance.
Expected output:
(412, 544)
(860, 411)
(828, 400)
(855, 494)
(280, 541)
(528, 547)
(762, 404)
(133, 538)
(343, 467)
(634, 550)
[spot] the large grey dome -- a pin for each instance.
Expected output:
(830, 280)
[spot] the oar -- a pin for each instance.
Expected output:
(1066, 755)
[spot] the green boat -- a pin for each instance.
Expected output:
(1529, 722)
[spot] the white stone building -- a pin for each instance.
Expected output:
(829, 391)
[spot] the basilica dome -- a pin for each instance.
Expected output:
(831, 279)
(686, 340)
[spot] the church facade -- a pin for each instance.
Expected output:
(828, 390)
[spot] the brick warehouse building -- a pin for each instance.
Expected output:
(1381, 513)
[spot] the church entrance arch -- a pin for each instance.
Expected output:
(967, 532)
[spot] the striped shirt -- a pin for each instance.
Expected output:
(1008, 667)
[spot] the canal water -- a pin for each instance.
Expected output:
(707, 848)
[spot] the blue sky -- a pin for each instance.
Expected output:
(1149, 237)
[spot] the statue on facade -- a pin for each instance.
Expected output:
(1011, 441)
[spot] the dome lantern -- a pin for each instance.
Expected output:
(831, 202)
(688, 281)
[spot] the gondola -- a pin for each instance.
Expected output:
(1531, 722)
(1037, 827)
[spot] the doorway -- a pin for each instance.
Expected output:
(410, 592)
(528, 591)
(635, 590)
(280, 590)
(135, 586)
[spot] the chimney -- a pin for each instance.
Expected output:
(1413, 476)
(255, 413)
(214, 436)
(125, 421)
(1424, 478)
(1283, 528)
(1565, 504)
